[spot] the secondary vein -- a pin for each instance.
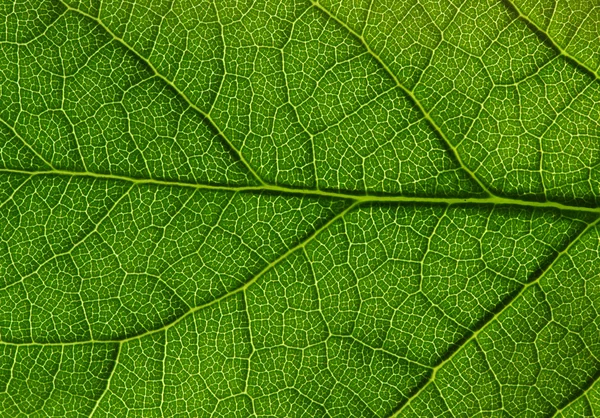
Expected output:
(509, 4)
(494, 318)
(157, 74)
(410, 94)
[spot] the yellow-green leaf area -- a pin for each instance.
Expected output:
(363, 208)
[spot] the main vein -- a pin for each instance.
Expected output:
(363, 197)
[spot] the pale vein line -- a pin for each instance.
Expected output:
(16, 134)
(235, 291)
(594, 381)
(382, 350)
(112, 373)
(261, 273)
(163, 379)
(408, 92)
(357, 200)
(494, 318)
(509, 4)
(76, 244)
(268, 188)
(191, 104)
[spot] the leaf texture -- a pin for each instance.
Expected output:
(363, 208)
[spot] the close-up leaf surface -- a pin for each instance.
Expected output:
(264, 208)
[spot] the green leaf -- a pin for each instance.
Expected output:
(321, 209)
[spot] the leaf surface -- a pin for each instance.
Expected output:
(261, 208)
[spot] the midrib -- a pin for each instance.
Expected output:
(291, 191)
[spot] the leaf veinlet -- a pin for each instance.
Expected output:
(495, 317)
(330, 209)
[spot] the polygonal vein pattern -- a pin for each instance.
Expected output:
(301, 208)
